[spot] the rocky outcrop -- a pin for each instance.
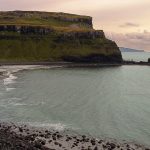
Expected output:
(26, 29)
(94, 58)
(87, 21)
(93, 34)
(63, 17)
(47, 30)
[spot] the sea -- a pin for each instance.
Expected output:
(106, 102)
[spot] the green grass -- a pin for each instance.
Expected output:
(45, 48)
(42, 18)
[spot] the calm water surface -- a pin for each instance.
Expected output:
(106, 102)
(136, 56)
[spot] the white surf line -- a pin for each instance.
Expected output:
(53, 126)
(10, 78)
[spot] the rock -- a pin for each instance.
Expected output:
(97, 58)
(112, 145)
(20, 129)
(93, 142)
(81, 35)
(96, 148)
(43, 142)
(100, 141)
(50, 141)
(54, 138)
(59, 136)
(83, 136)
(56, 143)
(38, 144)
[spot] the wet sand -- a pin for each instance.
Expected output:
(23, 137)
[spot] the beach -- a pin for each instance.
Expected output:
(23, 137)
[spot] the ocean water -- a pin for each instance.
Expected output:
(136, 56)
(108, 102)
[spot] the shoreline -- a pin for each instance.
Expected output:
(74, 64)
(23, 137)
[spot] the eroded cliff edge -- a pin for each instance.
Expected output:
(44, 36)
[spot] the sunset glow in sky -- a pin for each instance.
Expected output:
(125, 21)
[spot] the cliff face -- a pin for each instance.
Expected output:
(42, 36)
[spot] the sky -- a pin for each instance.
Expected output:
(125, 21)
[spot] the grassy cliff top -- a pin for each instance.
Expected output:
(46, 19)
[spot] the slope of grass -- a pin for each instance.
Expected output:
(46, 48)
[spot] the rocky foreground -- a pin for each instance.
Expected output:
(23, 137)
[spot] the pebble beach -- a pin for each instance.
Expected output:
(24, 137)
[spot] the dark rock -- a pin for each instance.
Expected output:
(80, 35)
(76, 144)
(89, 148)
(104, 146)
(50, 141)
(59, 136)
(96, 148)
(94, 58)
(20, 129)
(43, 142)
(54, 138)
(38, 145)
(83, 136)
(56, 143)
(46, 131)
(112, 145)
(100, 141)
(41, 135)
(93, 142)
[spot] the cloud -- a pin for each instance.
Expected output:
(129, 24)
(29, 4)
(122, 18)
(137, 40)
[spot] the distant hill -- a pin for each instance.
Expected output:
(123, 49)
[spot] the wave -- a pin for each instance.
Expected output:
(54, 126)
(9, 89)
(9, 70)
(9, 76)
(14, 101)
(25, 104)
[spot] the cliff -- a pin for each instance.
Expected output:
(44, 36)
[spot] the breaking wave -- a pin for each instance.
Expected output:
(54, 126)
(9, 76)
